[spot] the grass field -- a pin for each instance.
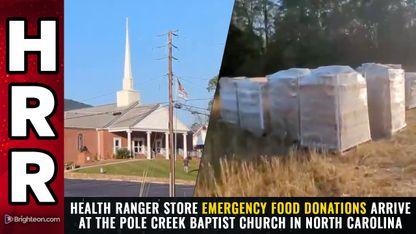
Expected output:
(154, 168)
(378, 168)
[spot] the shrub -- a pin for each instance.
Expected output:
(123, 154)
(83, 149)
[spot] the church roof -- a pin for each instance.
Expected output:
(107, 116)
(135, 116)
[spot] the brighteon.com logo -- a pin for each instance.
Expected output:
(8, 219)
(29, 219)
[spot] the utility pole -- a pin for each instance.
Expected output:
(171, 149)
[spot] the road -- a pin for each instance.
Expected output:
(100, 188)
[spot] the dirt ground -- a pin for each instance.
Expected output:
(235, 164)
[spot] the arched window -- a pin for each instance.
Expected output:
(80, 142)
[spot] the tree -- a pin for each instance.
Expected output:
(268, 10)
(212, 86)
(270, 35)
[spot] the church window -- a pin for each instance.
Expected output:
(80, 142)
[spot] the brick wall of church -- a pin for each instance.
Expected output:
(72, 145)
(99, 143)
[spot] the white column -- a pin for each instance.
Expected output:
(185, 145)
(129, 141)
(149, 150)
(167, 145)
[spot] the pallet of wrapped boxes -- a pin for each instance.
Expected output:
(283, 98)
(242, 103)
(333, 109)
(228, 100)
(410, 86)
(386, 98)
(251, 105)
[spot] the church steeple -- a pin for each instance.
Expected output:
(127, 95)
(128, 76)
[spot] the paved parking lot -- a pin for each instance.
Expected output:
(99, 188)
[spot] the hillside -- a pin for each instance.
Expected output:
(70, 104)
(378, 168)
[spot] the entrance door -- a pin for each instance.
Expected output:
(138, 146)
(158, 143)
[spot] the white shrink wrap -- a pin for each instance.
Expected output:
(250, 95)
(386, 98)
(283, 98)
(333, 109)
(410, 86)
(228, 100)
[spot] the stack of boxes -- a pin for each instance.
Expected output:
(330, 108)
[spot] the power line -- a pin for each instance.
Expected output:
(145, 81)
(198, 78)
(192, 109)
(191, 106)
(194, 112)
(197, 99)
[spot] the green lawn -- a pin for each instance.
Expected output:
(154, 168)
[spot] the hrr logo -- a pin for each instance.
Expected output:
(31, 107)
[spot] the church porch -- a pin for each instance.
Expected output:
(149, 143)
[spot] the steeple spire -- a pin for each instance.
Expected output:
(128, 76)
(127, 95)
